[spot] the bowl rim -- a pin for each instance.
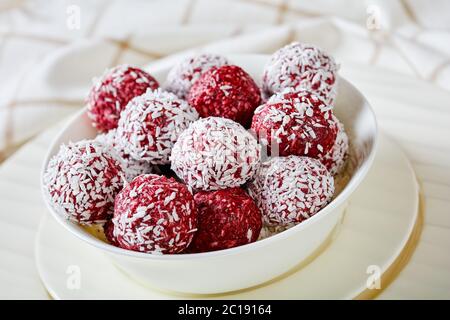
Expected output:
(76, 230)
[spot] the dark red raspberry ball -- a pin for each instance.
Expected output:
(295, 122)
(226, 218)
(111, 93)
(154, 214)
(227, 92)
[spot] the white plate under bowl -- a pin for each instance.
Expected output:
(234, 269)
(377, 225)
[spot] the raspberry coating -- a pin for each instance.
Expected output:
(227, 92)
(227, 218)
(108, 230)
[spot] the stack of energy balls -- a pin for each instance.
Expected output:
(209, 160)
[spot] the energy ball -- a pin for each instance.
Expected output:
(335, 158)
(295, 122)
(183, 75)
(227, 92)
(300, 65)
(226, 218)
(82, 180)
(131, 167)
(111, 93)
(289, 190)
(151, 123)
(154, 214)
(215, 153)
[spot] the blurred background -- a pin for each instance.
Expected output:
(397, 52)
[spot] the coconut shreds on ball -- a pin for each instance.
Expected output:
(291, 189)
(151, 124)
(335, 158)
(295, 122)
(226, 218)
(111, 93)
(300, 65)
(215, 153)
(154, 214)
(227, 92)
(183, 75)
(132, 168)
(82, 180)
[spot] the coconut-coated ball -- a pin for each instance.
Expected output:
(111, 93)
(81, 181)
(154, 214)
(151, 123)
(295, 122)
(289, 190)
(215, 153)
(299, 65)
(131, 167)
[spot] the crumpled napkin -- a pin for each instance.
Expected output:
(50, 50)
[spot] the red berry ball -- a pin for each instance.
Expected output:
(227, 92)
(112, 92)
(295, 122)
(226, 218)
(154, 214)
(82, 180)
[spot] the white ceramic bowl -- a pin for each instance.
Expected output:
(255, 263)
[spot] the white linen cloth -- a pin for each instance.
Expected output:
(50, 49)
